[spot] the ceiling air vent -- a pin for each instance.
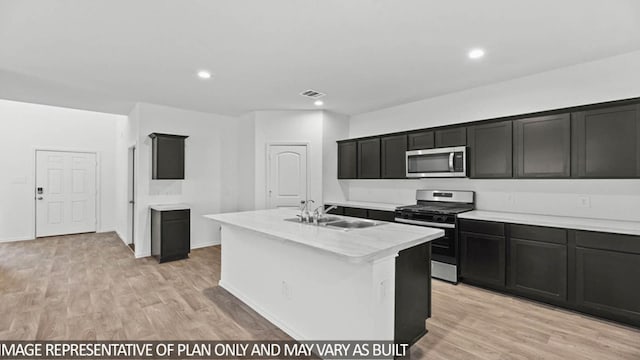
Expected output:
(312, 94)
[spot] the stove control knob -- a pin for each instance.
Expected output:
(439, 218)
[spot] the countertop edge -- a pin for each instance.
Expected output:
(352, 259)
(169, 207)
(364, 205)
(555, 221)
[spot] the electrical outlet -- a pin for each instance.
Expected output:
(584, 201)
(286, 290)
(511, 199)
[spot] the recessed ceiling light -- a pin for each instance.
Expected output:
(202, 74)
(475, 53)
(318, 103)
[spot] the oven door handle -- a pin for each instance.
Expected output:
(425, 223)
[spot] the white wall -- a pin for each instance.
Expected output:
(613, 78)
(604, 80)
(335, 127)
(127, 136)
(288, 127)
(245, 149)
(211, 170)
(26, 127)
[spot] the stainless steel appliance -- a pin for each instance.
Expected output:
(439, 209)
(442, 162)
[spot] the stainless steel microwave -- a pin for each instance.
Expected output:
(442, 162)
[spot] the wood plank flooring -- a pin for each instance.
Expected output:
(89, 287)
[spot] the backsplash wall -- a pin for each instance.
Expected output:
(606, 199)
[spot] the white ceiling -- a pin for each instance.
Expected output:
(105, 55)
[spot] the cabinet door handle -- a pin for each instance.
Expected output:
(451, 154)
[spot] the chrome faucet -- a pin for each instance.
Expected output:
(319, 212)
(305, 216)
(330, 208)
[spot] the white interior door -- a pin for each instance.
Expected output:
(287, 184)
(65, 192)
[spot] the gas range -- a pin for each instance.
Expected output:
(438, 209)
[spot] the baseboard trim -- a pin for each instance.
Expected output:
(18, 238)
(203, 245)
(25, 238)
(260, 310)
(143, 255)
(121, 237)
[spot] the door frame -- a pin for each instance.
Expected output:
(35, 177)
(267, 183)
(132, 151)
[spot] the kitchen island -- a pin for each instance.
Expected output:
(324, 283)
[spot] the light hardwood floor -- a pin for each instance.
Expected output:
(90, 287)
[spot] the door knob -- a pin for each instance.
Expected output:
(40, 198)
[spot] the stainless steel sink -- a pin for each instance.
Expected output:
(338, 222)
(354, 224)
(322, 221)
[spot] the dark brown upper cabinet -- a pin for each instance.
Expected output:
(542, 147)
(421, 140)
(456, 136)
(167, 156)
(347, 160)
(369, 158)
(490, 150)
(393, 164)
(606, 143)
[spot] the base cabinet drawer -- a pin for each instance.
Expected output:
(483, 258)
(538, 269)
(607, 284)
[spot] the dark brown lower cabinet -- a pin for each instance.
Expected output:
(356, 212)
(482, 259)
(607, 269)
(538, 269)
(412, 293)
(538, 262)
(170, 234)
(382, 215)
(591, 272)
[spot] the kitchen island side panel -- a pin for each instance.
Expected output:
(309, 294)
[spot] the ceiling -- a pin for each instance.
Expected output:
(106, 55)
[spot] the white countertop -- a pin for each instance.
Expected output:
(169, 207)
(365, 205)
(566, 222)
(357, 245)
